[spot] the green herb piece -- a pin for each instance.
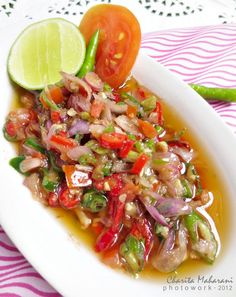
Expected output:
(149, 104)
(132, 252)
(50, 180)
(187, 188)
(33, 143)
(87, 159)
(15, 163)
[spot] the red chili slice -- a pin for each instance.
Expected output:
(112, 140)
(126, 148)
(68, 200)
(139, 164)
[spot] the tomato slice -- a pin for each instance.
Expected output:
(56, 94)
(76, 178)
(119, 42)
(147, 129)
(112, 140)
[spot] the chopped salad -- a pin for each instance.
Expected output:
(107, 155)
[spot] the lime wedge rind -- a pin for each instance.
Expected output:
(44, 49)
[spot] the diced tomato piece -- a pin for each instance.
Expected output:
(139, 164)
(131, 111)
(43, 102)
(62, 140)
(96, 108)
(126, 148)
(112, 140)
(55, 116)
(55, 94)
(147, 129)
(76, 178)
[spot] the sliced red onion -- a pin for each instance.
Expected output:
(127, 125)
(76, 152)
(171, 207)
(79, 126)
(48, 124)
(117, 108)
(107, 113)
(154, 195)
(184, 153)
(156, 215)
(168, 172)
(30, 164)
(73, 84)
(170, 256)
(33, 183)
(84, 168)
(96, 130)
(78, 102)
(120, 166)
(94, 81)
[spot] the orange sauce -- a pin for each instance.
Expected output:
(210, 179)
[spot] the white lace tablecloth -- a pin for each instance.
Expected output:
(203, 53)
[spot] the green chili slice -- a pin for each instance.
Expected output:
(94, 201)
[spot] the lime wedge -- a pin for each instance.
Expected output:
(44, 49)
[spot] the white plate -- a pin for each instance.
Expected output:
(70, 267)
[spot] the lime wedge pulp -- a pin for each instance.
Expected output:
(44, 49)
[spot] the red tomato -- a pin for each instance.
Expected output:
(96, 108)
(147, 129)
(112, 140)
(76, 178)
(119, 41)
(55, 94)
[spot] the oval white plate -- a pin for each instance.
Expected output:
(70, 267)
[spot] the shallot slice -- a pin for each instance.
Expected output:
(127, 125)
(73, 84)
(94, 81)
(172, 255)
(76, 152)
(79, 126)
(31, 163)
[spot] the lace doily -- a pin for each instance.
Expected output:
(156, 14)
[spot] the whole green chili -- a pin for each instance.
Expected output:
(89, 61)
(221, 94)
